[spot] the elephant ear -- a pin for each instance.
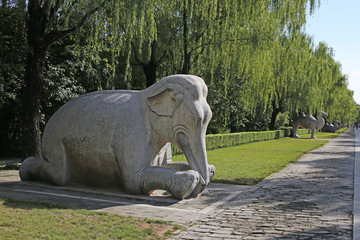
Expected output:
(165, 101)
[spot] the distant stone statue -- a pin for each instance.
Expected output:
(338, 124)
(121, 138)
(328, 127)
(309, 122)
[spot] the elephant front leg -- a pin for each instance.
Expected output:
(180, 184)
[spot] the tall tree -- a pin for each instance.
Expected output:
(158, 27)
(51, 20)
(44, 28)
(290, 60)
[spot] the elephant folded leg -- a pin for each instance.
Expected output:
(184, 166)
(180, 166)
(180, 184)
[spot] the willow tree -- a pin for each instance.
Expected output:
(238, 53)
(51, 20)
(320, 78)
(193, 36)
(341, 105)
(336, 99)
(290, 64)
(318, 83)
(196, 26)
(257, 30)
(277, 76)
(158, 27)
(234, 38)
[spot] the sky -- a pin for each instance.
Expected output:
(337, 23)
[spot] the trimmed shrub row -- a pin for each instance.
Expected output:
(214, 141)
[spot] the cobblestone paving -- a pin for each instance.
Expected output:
(310, 199)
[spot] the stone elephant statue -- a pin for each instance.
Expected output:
(116, 137)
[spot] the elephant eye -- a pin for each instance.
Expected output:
(207, 113)
(205, 92)
(200, 116)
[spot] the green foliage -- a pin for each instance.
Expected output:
(12, 66)
(342, 130)
(357, 118)
(250, 163)
(254, 56)
(227, 140)
(282, 119)
(228, 106)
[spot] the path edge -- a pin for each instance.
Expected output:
(356, 213)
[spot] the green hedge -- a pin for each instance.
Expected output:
(214, 141)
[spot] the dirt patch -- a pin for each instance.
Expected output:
(157, 229)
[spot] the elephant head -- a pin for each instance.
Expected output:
(180, 114)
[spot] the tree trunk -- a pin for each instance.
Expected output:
(187, 56)
(273, 118)
(186, 66)
(40, 15)
(150, 73)
(33, 80)
(151, 67)
(31, 104)
(275, 112)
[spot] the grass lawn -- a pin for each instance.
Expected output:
(321, 135)
(31, 220)
(250, 163)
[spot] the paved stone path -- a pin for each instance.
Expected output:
(310, 199)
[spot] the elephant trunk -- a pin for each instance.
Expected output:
(195, 153)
